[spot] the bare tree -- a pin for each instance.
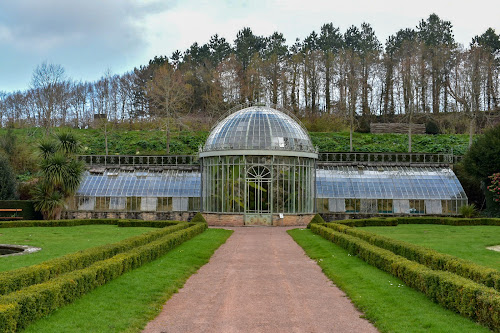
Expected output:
(46, 80)
(169, 93)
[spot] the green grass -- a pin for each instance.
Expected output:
(58, 241)
(466, 242)
(385, 300)
(129, 302)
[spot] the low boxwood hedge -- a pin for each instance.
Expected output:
(431, 258)
(56, 223)
(198, 218)
(470, 299)
(26, 276)
(20, 308)
(394, 221)
(147, 224)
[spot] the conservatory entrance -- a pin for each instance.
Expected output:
(258, 202)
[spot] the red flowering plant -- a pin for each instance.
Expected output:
(495, 186)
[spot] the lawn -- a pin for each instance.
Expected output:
(384, 299)
(58, 241)
(466, 242)
(129, 302)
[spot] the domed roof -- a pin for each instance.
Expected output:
(259, 128)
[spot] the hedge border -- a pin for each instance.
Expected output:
(431, 258)
(470, 299)
(394, 221)
(17, 279)
(19, 309)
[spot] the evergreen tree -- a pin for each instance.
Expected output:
(437, 35)
(7, 180)
(61, 174)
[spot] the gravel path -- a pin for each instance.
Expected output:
(260, 280)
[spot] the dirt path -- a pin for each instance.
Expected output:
(259, 281)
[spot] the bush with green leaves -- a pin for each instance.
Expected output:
(7, 180)
(431, 258)
(198, 218)
(468, 211)
(61, 173)
(483, 157)
(494, 187)
(483, 160)
(464, 296)
(20, 308)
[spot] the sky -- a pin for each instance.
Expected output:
(91, 37)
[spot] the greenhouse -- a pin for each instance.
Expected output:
(259, 166)
(388, 190)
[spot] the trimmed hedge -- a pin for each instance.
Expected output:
(19, 309)
(470, 299)
(28, 212)
(198, 218)
(20, 278)
(394, 221)
(78, 222)
(316, 219)
(431, 258)
(147, 224)
(56, 223)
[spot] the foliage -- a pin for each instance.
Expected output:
(152, 142)
(425, 256)
(35, 302)
(432, 127)
(483, 157)
(98, 312)
(468, 211)
(384, 300)
(444, 220)
(480, 303)
(198, 218)
(61, 173)
(27, 276)
(494, 187)
(316, 219)
(7, 180)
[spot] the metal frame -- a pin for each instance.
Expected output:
(226, 184)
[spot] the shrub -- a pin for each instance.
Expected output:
(22, 307)
(468, 298)
(316, 219)
(468, 211)
(198, 218)
(432, 127)
(494, 187)
(26, 276)
(428, 257)
(7, 180)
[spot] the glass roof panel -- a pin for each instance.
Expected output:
(169, 183)
(387, 183)
(260, 128)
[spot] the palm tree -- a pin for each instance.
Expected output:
(61, 173)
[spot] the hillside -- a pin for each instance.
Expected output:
(150, 142)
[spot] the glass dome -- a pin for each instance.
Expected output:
(258, 128)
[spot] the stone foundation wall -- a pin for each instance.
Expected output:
(224, 220)
(213, 219)
(233, 220)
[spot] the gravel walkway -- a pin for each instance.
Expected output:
(260, 280)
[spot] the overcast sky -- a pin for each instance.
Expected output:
(89, 37)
